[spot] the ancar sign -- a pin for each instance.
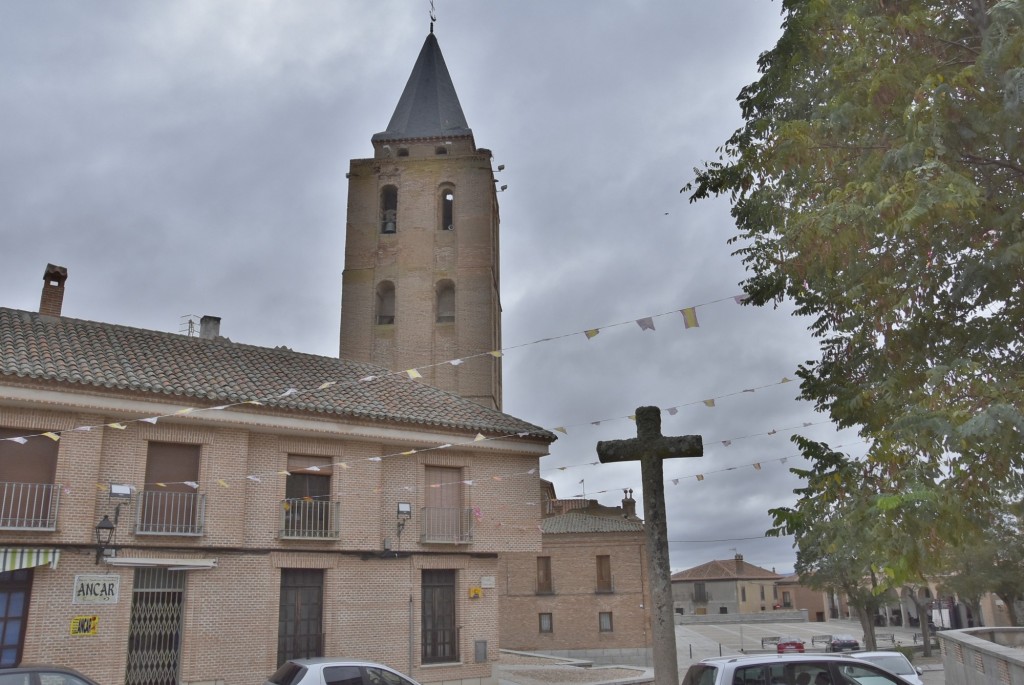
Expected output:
(96, 589)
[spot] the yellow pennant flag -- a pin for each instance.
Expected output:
(757, 467)
(479, 437)
(699, 477)
(406, 454)
(496, 354)
(689, 317)
(591, 333)
(327, 384)
(223, 483)
(785, 380)
(561, 429)
(118, 426)
(414, 374)
(52, 436)
(709, 403)
(186, 410)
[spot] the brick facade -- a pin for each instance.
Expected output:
(230, 625)
(576, 594)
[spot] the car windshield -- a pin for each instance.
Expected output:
(896, 663)
(700, 674)
(288, 674)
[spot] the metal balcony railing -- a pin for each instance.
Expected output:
(605, 586)
(29, 506)
(170, 513)
(700, 597)
(446, 525)
(310, 519)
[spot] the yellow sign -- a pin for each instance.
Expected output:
(476, 593)
(85, 625)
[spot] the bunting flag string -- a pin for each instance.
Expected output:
(689, 314)
(478, 438)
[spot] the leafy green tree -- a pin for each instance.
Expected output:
(878, 182)
(832, 524)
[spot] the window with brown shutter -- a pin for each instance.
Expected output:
(171, 503)
(544, 586)
(604, 573)
(27, 485)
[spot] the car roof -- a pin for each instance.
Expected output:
(313, 661)
(886, 652)
(771, 656)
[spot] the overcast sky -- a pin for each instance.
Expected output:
(189, 158)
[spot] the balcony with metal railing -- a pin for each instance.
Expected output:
(443, 525)
(306, 519)
(700, 597)
(605, 586)
(29, 506)
(170, 513)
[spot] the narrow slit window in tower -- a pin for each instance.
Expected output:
(386, 303)
(448, 210)
(389, 209)
(445, 302)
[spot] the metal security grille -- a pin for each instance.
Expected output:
(440, 636)
(154, 636)
(300, 631)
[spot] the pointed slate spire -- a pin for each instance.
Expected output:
(429, 107)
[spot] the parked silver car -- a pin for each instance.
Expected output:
(895, 662)
(337, 671)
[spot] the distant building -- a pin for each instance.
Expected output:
(725, 587)
(585, 593)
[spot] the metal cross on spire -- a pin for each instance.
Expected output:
(433, 16)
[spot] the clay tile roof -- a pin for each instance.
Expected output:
(74, 352)
(725, 569)
(581, 522)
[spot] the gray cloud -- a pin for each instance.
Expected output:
(190, 157)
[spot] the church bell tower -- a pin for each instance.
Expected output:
(420, 288)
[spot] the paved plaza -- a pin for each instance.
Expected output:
(696, 642)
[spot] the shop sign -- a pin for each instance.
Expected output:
(85, 625)
(96, 589)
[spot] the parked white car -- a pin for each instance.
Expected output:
(789, 669)
(894, 662)
(328, 671)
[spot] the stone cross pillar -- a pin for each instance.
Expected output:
(650, 448)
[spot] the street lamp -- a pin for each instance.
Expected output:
(104, 534)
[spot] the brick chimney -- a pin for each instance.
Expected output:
(53, 290)
(209, 327)
(628, 503)
(739, 564)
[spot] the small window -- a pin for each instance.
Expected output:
(762, 593)
(544, 576)
(546, 624)
(743, 594)
(448, 210)
(445, 302)
(385, 303)
(403, 152)
(604, 620)
(389, 209)
(440, 150)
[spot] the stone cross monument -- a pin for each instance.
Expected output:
(650, 448)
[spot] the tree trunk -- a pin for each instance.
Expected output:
(867, 623)
(1011, 607)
